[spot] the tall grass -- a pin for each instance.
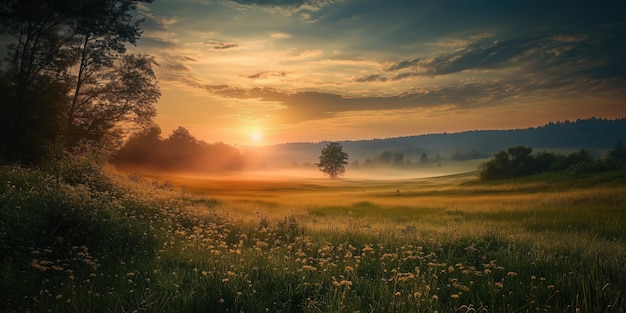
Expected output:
(129, 246)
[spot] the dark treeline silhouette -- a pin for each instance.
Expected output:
(520, 161)
(180, 151)
(67, 80)
(592, 133)
(396, 160)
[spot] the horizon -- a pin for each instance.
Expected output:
(413, 135)
(257, 73)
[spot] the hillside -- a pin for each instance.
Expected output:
(593, 133)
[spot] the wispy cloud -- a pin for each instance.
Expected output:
(317, 60)
(267, 74)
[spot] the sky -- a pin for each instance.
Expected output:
(255, 72)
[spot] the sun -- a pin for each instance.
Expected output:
(256, 137)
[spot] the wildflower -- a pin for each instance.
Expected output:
(417, 295)
(435, 297)
(487, 271)
(38, 266)
(511, 274)
(455, 296)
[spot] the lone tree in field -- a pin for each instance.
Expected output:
(333, 160)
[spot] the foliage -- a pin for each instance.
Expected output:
(68, 78)
(179, 151)
(519, 161)
(617, 155)
(130, 248)
(333, 160)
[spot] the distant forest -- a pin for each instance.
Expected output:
(595, 134)
(181, 151)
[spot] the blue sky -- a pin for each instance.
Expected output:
(261, 72)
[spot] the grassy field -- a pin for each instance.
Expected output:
(547, 243)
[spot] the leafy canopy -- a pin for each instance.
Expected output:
(67, 79)
(333, 160)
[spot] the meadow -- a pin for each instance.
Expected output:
(140, 243)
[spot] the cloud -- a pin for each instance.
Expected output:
(224, 46)
(303, 54)
(267, 74)
(287, 3)
(175, 62)
(312, 105)
(280, 36)
(322, 59)
(593, 55)
(311, 5)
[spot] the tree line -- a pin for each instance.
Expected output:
(68, 79)
(180, 151)
(520, 161)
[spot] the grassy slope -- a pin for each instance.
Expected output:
(547, 243)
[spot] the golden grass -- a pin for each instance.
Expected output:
(442, 207)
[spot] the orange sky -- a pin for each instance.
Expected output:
(248, 72)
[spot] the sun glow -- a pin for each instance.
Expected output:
(256, 137)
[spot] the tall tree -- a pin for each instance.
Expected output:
(333, 160)
(617, 156)
(67, 64)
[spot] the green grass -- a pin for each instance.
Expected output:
(450, 244)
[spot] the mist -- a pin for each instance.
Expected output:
(306, 173)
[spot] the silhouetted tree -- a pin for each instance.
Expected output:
(67, 78)
(617, 156)
(424, 158)
(398, 159)
(179, 151)
(143, 148)
(497, 167)
(333, 160)
(384, 158)
(521, 160)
